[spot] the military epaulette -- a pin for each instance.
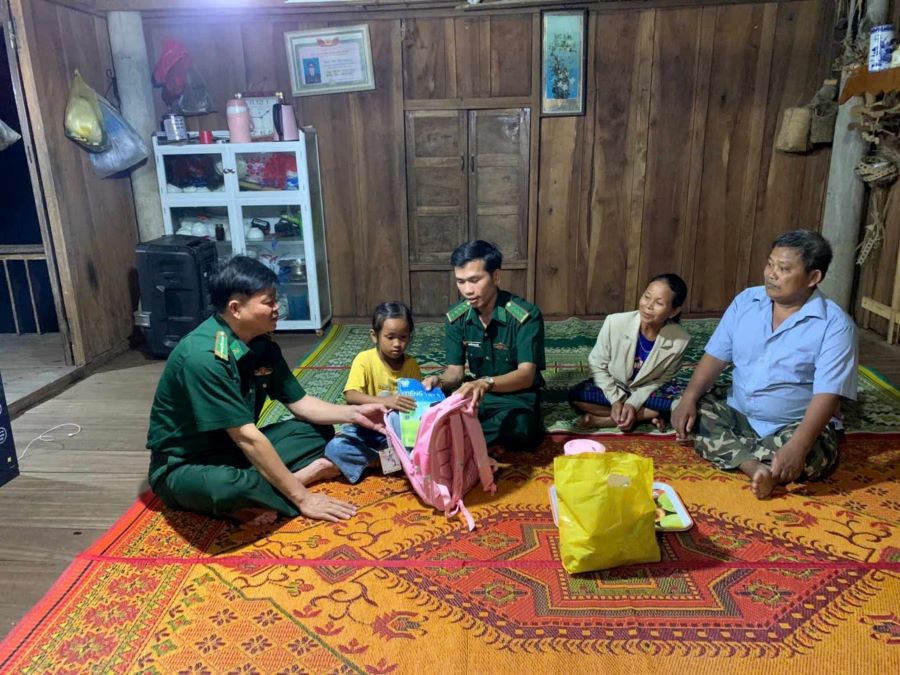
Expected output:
(518, 311)
(457, 311)
(221, 345)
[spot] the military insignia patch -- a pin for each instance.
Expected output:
(520, 313)
(457, 311)
(220, 347)
(261, 372)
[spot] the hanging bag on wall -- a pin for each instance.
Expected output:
(84, 120)
(126, 147)
(8, 135)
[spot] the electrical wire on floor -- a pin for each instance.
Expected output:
(48, 439)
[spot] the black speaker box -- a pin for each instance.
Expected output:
(9, 462)
(173, 273)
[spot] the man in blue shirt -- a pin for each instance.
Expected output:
(795, 356)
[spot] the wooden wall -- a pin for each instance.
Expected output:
(674, 161)
(878, 277)
(671, 169)
(92, 221)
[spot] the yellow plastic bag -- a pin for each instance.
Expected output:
(606, 510)
(84, 120)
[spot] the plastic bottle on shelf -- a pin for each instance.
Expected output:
(239, 124)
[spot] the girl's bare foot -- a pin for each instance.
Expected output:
(319, 469)
(659, 423)
(255, 517)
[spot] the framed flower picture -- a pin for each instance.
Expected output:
(563, 59)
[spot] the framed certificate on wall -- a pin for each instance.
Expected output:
(330, 60)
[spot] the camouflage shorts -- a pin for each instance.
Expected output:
(725, 438)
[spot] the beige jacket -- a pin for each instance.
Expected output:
(612, 358)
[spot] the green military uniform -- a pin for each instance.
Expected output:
(514, 335)
(213, 381)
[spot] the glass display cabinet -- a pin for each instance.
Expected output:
(260, 199)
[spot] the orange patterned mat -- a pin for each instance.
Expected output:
(808, 581)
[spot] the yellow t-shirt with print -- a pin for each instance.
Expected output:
(372, 376)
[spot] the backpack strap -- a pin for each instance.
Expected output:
(464, 512)
(486, 465)
(458, 454)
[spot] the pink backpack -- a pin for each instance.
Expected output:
(449, 456)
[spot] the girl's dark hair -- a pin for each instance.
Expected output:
(241, 276)
(677, 286)
(391, 310)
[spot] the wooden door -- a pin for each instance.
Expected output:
(467, 178)
(437, 187)
(91, 220)
(498, 181)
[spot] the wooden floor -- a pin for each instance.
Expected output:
(29, 363)
(71, 490)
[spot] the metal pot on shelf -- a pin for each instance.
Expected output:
(296, 269)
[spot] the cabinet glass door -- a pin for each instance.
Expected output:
(269, 171)
(194, 174)
(211, 222)
(274, 235)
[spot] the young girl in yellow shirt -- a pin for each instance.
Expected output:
(373, 379)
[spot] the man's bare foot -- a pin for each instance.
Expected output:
(319, 469)
(255, 517)
(589, 421)
(761, 480)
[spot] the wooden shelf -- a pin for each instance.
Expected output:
(863, 82)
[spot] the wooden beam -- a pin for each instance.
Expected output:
(88, 6)
(21, 252)
(469, 103)
(379, 8)
(534, 157)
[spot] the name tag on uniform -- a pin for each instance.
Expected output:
(476, 345)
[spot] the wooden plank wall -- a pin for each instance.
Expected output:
(680, 170)
(92, 221)
(671, 169)
(877, 277)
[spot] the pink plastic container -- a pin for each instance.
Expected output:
(579, 445)
(238, 115)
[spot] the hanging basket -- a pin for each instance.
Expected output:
(876, 171)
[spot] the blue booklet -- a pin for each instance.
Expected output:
(409, 422)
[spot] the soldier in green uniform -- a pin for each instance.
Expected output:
(207, 454)
(500, 337)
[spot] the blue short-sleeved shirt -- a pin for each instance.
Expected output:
(776, 374)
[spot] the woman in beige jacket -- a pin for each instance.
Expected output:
(636, 353)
